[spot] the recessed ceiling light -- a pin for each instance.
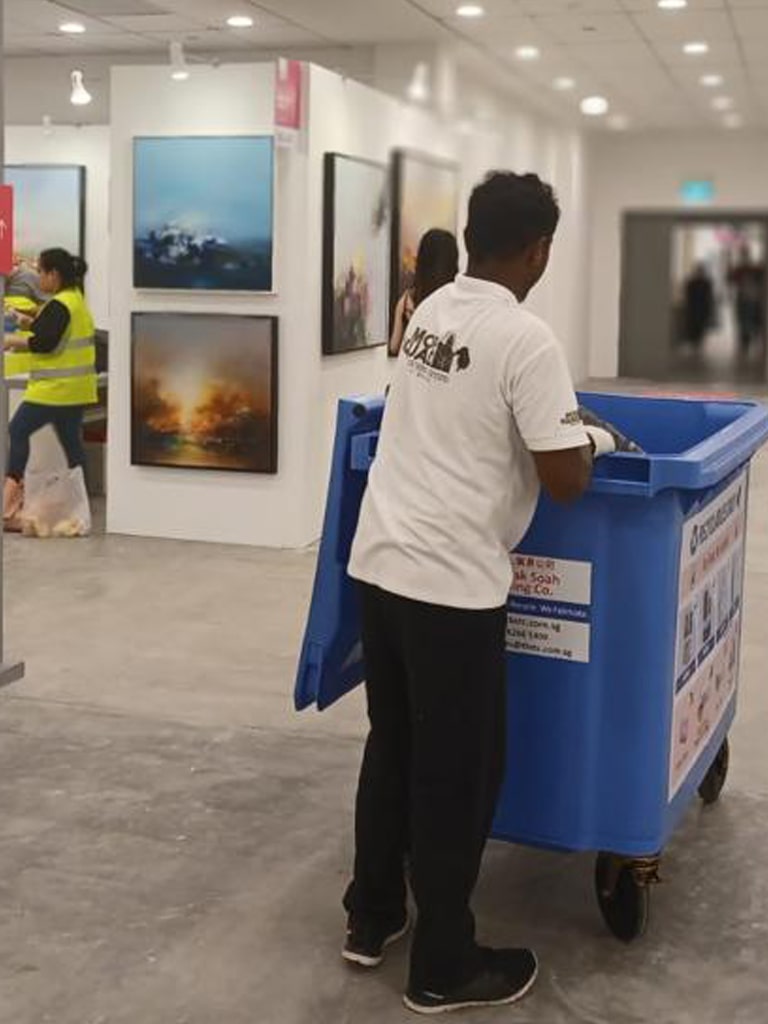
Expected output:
(594, 106)
(527, 53)
(722, 103)
(733, 121)
(470, 11)
(711, 81)
(696, 49)
(72, 28)
(619, 123)
(672, 5)
(564, 84)
(240, 21)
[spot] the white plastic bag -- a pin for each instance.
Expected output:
(56, 505)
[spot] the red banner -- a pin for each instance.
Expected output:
(290, 74)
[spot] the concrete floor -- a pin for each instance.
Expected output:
(175, 839)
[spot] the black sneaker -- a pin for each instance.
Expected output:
(508, 975)
(366, 940)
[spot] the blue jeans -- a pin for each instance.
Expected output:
(66, 420)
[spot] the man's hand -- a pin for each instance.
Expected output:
(601, 441)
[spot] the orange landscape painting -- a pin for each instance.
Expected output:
(204, 392)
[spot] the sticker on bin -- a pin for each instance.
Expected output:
(708, 625)
(550, 608)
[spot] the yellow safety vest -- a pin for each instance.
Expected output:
(67, 376)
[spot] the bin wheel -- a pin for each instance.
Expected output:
(623, 893)
(714, 780)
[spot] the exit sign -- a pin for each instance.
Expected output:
(697, 192)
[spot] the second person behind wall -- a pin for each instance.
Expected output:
(437, 264)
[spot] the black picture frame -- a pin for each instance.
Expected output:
(399, 159)
(330, 346)
(177, 282)
(272, 462)
(82, 181)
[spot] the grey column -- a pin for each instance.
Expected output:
(10, 670)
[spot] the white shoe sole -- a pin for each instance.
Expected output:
(373, 961)
(433, 1011)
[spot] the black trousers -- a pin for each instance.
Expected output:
(66, 420)
(433, 766)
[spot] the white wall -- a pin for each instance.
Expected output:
(350, 118)
(89, 147)
(646, 172)
(239, 508)
(346, 117)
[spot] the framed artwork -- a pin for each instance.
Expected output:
(356, 243)
(49, 208)
(425, 195)
(203, 213)
(204, 391)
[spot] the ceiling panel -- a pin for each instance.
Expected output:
(708, 25)
(157, 23)
(569, 6)
(641, 6)
(108, 8)
(27, 16)
(627, 49)
(598, 28)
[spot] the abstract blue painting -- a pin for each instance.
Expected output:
(203, 213)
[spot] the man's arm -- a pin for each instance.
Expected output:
(544, 405)
(565, 474)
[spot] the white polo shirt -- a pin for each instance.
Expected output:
(480, 384)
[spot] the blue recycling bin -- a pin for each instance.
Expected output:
(624, 630)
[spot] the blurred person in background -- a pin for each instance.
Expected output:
(700, 305)
(22, 288)
(747, 280)
(437, 264)
(62, 372)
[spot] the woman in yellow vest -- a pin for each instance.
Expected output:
(62, 374)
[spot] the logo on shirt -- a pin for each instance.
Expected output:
(571, 419)
(435, 356)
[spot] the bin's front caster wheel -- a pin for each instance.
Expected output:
(623, 893)
(714, 780)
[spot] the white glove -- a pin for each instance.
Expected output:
(602, 442)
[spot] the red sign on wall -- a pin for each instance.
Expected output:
(288, 94)
(6, 230)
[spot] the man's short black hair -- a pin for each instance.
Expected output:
(507, 213)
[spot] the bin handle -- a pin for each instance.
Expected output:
(363, 451)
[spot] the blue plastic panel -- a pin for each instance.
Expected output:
(588, 762)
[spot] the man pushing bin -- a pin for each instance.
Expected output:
(465, 447)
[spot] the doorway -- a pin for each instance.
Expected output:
(694, 298)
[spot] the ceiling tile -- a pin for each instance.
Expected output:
(543, 7)
(707, 25)
(156, 23)
(597, 28)
(109, 8)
